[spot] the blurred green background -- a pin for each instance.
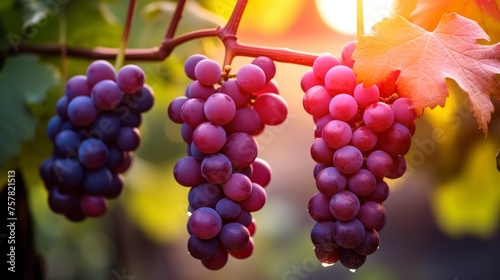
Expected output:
(443, 214)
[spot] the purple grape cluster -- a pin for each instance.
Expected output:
(362, 134)
(220, 115)
(94, 132)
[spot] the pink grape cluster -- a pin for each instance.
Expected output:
(94, 132)
(362, 134)
(220, 116)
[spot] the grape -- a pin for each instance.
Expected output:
(346, 55)
(319, 207)
(228, 209)
(324, 63)
(360, 140)
(216, 168)
(343, 107)
(251, 78)
(62, 107)
(364, 139)
(187, 172)
(245, 252)
(174, 109)
(362, 183)
(93, 206)
(190, 64)
(351, 259)
(261, 172)
(207, 72)
(66, 143)
(309, 80)
(141, 101)
(330, 181)
(348, 159)
(129, 139)
(245, 120)
(349, 234)
(67, 174)
(201, 248)
(219, 108)
(205, 223)
(267, 65)
(100, 70)
(238, 187)
(321, 152)
(116, 186)
(234, 236)
(370, 243)
(378, 117)
(209, 137)
(218, 260)
(218, 116)
(132, 119)
(396, 140)
(106, 127)
(241, 149)
(205, 195)
(372, 215)
(366, 95)
(192, 112)
(336, 134)
(316, 101)
(403, 111)
(93, 153)
(59, 202)
(94, 134)
(380, 193)
(238, 95)
(379, 163)
(322, 235)
(270, 87)
(81, 110)
(256, 200)
(77, 86)
(272, 108)
(327, 256)
(200, 91)
(340, 79)
(344, 205)
(130, 78)
(97, 181)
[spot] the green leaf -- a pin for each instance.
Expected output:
(469, 204)
(34, 13)
(24, 81)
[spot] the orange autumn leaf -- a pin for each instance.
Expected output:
(427, 14)
(426, 59)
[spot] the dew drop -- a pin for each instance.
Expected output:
(327, 264)
(353, 270)
(189, 213)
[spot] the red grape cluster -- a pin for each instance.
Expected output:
(94, 132)
(220, 115)
(362, 134)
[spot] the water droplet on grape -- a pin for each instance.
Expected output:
(327, 264)
(353, 270)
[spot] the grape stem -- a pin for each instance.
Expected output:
(227, 35)
(120, 57)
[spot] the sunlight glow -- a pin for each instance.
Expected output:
(340, 15)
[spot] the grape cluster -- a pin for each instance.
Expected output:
(362, 134)
(220, 115)
(94, 133)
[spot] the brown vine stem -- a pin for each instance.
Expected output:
(120, 57)
(227, 34)
(174, 23)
